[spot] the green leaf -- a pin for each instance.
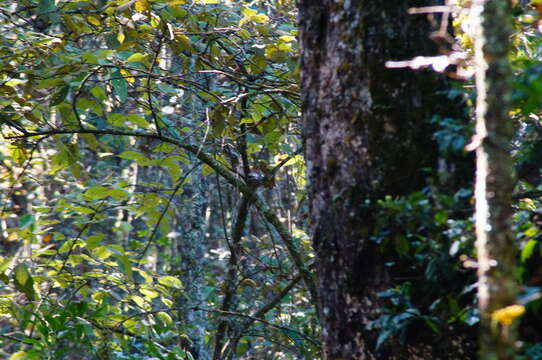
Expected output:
(59, 96)
(96, 193)
(138, 157)
(98, 93)
(170, 281)
(84, 103)
(102, 252)
(24, 282)
(4, 278)
(244, 34)
(206, 170)
(26, 220)
(125, 265)
(165, 318)
(172, 167)
(91, 141)
(137, 120)
(6, 263)
(441, 217)
(118, 194)
(164, 147)
(137, 57)
(18, 153)
(532, 231)
(21, 274)
(120, 86)
(19, 355)
(48, 10)
(402, 246)
(528, 250)
(67, 114)
(94, 241)
(67, 246)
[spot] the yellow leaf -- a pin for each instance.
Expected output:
(287, 38)
(19, 355)
(506, 315)
(285, 47)
(165, 318)
(148, 293)
(170, 281)
(206, 170)
(142, 5)
(155, 21)
(93, 20)
(261, 18)
(138, 300)
(183, 42)
(137, 57)
(248, 11)
(249, 282)
(121, 36)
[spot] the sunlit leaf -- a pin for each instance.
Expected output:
(137, 57)
(170, 281)
(120, 36)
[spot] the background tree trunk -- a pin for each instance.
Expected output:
(497, 284)
(367, 135)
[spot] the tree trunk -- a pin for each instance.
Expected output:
(367, 135)
(190, 246)
(497, 286)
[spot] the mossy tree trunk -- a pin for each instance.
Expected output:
(368, 135)
(495, 180)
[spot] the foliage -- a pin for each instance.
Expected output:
(114, 112)
(96, 94)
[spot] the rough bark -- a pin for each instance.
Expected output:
(367, 135)
(497, 286)
(190, 246)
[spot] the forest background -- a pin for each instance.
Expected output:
(156, 201)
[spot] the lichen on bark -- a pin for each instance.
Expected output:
(497, 287)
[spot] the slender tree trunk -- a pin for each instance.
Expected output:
(231, 280)
(190, 247)
(497, 287)
(190, 223)
(367, 135)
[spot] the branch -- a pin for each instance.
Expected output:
(435, 9)
(229, 292)
(261, 312)
(151, 68)
(16, 339)
(163, 213)
(253, 318)
(228, 175)
(528, 194)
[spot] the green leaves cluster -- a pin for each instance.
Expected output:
(95, 267)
